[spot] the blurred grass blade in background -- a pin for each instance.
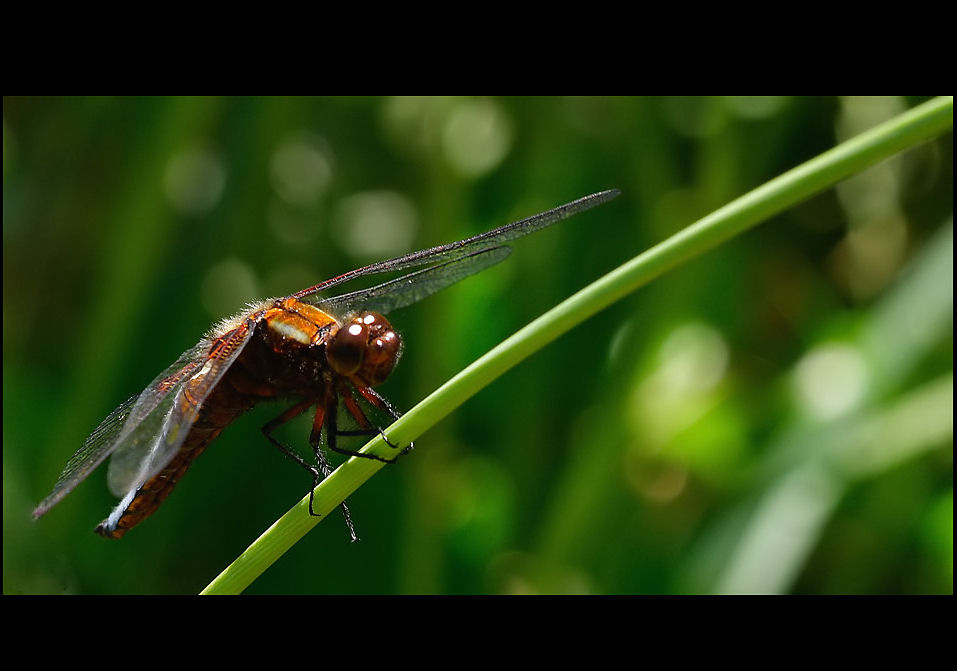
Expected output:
(809, 467)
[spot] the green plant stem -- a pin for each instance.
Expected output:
(910, 128)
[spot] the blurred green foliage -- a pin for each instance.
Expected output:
(774, 417)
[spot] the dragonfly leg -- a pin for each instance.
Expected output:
(373, 397)
(332, 430)
(318, 474)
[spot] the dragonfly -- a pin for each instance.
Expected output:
(320, 352)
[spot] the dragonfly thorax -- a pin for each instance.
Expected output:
(292, 324)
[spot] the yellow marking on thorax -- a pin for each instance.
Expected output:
(297, 321)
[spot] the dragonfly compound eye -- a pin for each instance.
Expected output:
(380, 358)
(347, 348)
(381, 349)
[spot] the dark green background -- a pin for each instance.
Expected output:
(661, 447)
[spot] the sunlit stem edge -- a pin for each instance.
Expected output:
(906, 130)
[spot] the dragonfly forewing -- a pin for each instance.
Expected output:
(482, 241)
(412, 288)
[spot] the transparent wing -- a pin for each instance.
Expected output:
(412, 288)
(462, 248)
(108, 436)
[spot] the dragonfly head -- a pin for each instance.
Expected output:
(365, 348)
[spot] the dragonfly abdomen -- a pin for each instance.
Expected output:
(149, 497)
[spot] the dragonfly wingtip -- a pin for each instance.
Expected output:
(41, 509)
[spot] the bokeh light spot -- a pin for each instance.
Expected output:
(301, 169)
(227, 286)
(194, 181)
(375, 223)
(830, 380)
(477, 137)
